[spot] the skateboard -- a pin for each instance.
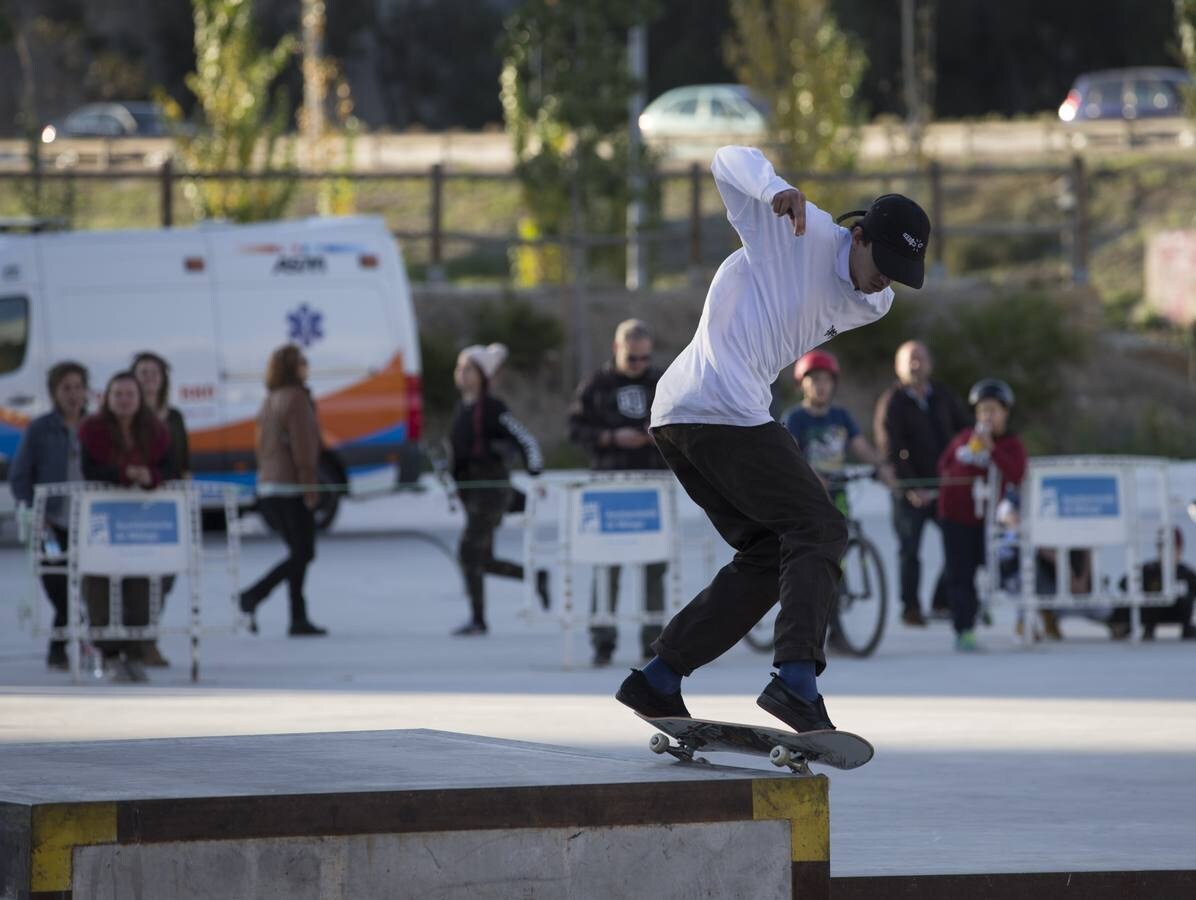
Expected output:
(840, 749)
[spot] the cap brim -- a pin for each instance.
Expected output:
(894, 266)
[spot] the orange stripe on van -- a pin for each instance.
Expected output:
(13, 418)
(369, 406)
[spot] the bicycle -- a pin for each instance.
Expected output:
(857, 621)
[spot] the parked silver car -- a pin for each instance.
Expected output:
(701, 109)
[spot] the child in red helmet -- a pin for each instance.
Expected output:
(826, 434)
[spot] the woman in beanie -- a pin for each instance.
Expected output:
(482, 428)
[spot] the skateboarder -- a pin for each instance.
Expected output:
(798, 280)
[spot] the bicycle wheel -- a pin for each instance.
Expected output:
(858, 622)
(760, 637)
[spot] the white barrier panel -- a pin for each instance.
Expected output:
(1069, 503)
(618, 524)
(133, 534)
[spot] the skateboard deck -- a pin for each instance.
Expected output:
(683, 738)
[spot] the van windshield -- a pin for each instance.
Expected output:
(14, 332)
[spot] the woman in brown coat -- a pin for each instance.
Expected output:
(288, 448)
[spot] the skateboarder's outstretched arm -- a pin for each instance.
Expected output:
(749, 185)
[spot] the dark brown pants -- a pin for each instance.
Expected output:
(767, 503)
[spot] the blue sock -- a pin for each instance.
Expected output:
(799, 678)
(663, 677)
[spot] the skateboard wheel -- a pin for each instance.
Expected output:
(658, 743)
(780, 756)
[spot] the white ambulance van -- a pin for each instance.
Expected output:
(215, 301)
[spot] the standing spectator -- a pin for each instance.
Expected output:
(123, 444)
(609, 418)
(50, 454)
(287, 444)
(482, 428)
(1178, 613)
(965, 462)
(153, 374)
(915, 420)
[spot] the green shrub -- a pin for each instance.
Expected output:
(438, 353)
(530, 335)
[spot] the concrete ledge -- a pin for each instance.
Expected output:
(398, 814)
(1157, 885)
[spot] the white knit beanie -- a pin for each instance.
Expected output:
(488, 359)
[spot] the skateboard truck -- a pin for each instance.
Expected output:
(783, 756)
(661, 743)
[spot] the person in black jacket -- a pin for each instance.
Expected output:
(609, 418)
(482, 428)
(915, 420)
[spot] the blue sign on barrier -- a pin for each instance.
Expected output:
(121, 524)
(1080, 497)
(620, 512)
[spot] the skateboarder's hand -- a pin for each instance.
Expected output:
(630, 438)
(792, 203)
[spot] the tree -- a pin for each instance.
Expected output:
(565, 93)
(242, 123)
(794, 54)
(1185, 26)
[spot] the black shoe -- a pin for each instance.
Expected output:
(306, 629)
(470, 629)
(796, 712)
(56, 657)
(636, 692)
(603, 654)
(542, 588)
(1187, 633)
(248, 605)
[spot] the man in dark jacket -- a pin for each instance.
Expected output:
(915, 420)
(609, 418)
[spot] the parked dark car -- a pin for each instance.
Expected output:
(1125, 94)
(136, 118)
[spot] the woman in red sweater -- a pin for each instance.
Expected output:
(966, 461)
(123, 444)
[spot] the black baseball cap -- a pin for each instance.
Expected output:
(899, 230)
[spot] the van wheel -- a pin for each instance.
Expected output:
(330, 474)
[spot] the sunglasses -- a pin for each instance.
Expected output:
(647, 357)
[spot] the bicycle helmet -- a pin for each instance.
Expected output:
(814, 361)
(991, 389)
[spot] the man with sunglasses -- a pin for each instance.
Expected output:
(609, 419)
(798, 280)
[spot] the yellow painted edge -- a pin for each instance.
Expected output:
(57, 830)
(804, 802)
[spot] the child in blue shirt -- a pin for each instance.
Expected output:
(826, 434)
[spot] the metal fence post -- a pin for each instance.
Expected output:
(695, 224)
(166, 194)
(1079, 222)
(436, 252)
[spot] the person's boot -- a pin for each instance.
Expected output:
(797, 712)
(470, 629)
(1050, 625)
(636, 692)
(912, 616)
